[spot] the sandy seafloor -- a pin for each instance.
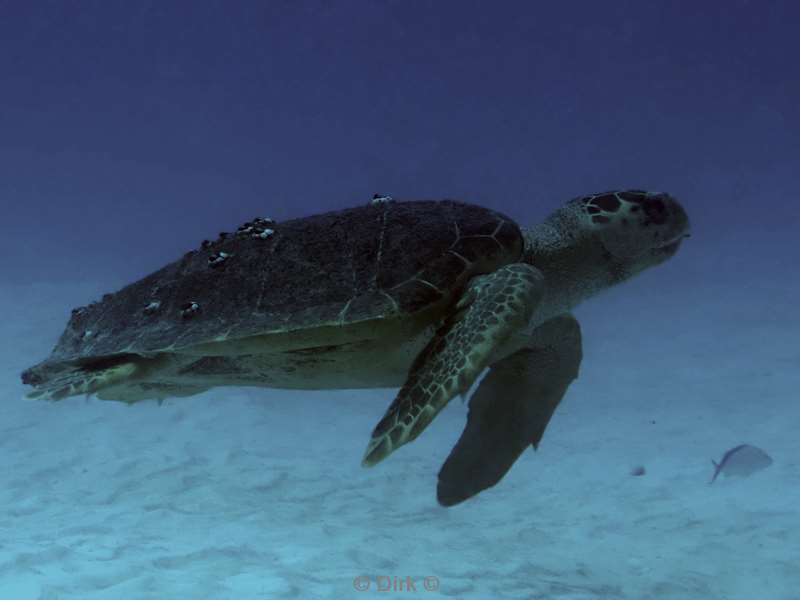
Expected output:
(249, 493)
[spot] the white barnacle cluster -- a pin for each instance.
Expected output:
(380, 199)
(216, 259)
(257, 228)
(189, 309)
(264, 234)
(152, 307)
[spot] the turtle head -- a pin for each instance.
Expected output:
(632, 230)
(596, 241)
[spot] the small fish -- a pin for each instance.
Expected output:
(741, 461)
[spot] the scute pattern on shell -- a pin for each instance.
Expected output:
(336, 268)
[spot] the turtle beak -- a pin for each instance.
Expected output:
(669, 249)
(680, 228)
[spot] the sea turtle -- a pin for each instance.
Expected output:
(423, 295)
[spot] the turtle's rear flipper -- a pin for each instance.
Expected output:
(492, 308)
(511, 409)
(132, 392)
(55, 381)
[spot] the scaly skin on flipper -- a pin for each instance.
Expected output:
(511, 408)
(76, 380)
(494, 307)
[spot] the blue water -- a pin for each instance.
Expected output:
(129, 132)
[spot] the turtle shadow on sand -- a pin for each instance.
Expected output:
(420, 295)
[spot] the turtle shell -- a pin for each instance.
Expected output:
(375, 261)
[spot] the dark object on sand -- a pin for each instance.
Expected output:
(741, 461)
(638, 471)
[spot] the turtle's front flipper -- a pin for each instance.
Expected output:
(511, 409)
(493, 307)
